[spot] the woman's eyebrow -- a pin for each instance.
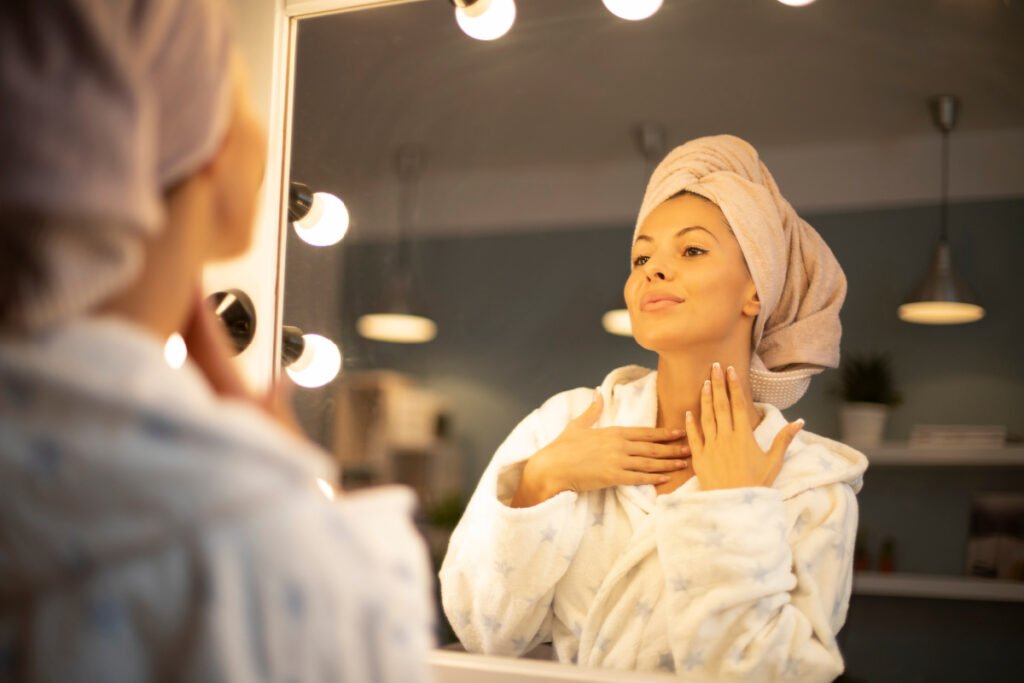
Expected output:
(682, 232)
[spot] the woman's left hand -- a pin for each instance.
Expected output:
(725, 453)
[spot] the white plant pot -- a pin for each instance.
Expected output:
(861, 425)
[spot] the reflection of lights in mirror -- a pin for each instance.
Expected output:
(319, 218)
(796, 3)
(633, 10)
(943, 297)
(617, 322)
(400, 328)
(485, 19)
(175, 352)
(396, 323)
(318, 362)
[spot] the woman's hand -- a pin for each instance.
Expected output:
(726, 455)
(583, 458)
(209, 348)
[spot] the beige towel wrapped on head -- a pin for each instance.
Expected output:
(798, 279)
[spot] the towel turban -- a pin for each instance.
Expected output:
(799, 282)
(106, 105)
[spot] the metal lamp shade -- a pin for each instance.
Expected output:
(943, 298)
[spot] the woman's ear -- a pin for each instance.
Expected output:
(752, 307)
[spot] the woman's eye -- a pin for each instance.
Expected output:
(696, 249)
(640, 260)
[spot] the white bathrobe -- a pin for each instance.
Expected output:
(747, 584)
(150, 530)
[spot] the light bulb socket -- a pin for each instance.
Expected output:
(463, 4)
(300, 201)
(235, 310)
(292, 344)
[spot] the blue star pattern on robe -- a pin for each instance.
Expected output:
(643, 610)
(760, 574)
(503, 568)
(548, 534)
(749, 496)
(597, 518)
(491, 623)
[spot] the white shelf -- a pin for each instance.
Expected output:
(937, 586)
(900, 453)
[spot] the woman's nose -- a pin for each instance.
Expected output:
(658, 271)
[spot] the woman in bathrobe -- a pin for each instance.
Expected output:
(674, 519)
(161, 524)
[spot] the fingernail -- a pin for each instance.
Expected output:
(689, 416)
(716, 367)
(732, 372)
(707, 385)
(677, 432)
(801, 422)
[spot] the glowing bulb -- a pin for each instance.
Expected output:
(397, 327)
(940, 313)
(319, 363)
(175, 352)
(326, 223)
(633, 10)
(796, 3)
(325, 488)
(486, 19)
(617, 322)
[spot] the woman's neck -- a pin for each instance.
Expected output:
(681, 377)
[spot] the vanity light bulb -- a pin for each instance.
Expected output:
(486, 19)
(319, 363)
(175, 352)
(633, 10)
(325, 488)
(326, 223)
(617, 322)
(796, 3)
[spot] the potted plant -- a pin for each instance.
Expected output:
(868, 395)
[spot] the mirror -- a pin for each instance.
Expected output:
(487, 191)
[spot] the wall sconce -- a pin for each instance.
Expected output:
(319, 218)
(943, 297)
(485, 19)
(310, 360)
(633, 10)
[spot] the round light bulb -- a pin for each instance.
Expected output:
(326, 223)
(633, 10)
(325, 488)
(397, 328)
(796, 3)
(940, 313)
(486, 19)
(617, 322)
(319, 363)
(175, 351)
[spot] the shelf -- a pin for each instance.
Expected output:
(937, 586)
(899, 453)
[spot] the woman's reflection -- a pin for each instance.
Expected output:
(674, 519)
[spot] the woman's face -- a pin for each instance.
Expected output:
(689, 284)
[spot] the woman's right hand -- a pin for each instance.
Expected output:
(583, 458)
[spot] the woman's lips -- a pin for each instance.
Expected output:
(659, 305)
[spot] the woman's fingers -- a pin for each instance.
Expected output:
(640, 478)
(656, 450)
(636, 463)
(707, 411)
(720, 399)
(647, 433)
(589, 416)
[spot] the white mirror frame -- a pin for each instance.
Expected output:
(267, 36)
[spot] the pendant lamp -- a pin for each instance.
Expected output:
(943, 297)
(396, 323)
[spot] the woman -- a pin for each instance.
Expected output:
(674, 519)
(158, 523)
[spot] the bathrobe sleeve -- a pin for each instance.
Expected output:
(498, 578)
(757, 588)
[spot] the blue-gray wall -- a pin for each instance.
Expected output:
(519, 319)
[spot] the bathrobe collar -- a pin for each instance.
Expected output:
(630, 396)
